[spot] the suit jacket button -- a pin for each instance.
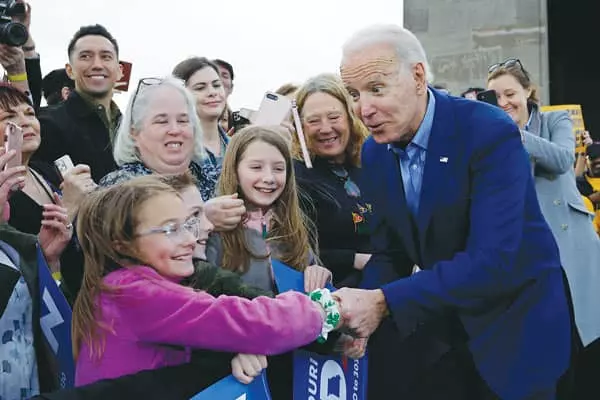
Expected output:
(564, 227)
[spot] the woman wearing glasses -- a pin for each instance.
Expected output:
(160, 133)
(132, 313)
(548, 138)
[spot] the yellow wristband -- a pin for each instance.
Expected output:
(57, 276)
(18, 77)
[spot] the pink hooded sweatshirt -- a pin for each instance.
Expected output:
(150, 314)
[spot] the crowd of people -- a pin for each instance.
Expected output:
(463, 237)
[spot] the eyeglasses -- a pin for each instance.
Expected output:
(510, 63)
(175, 231)
(141, 83)
(350, 187)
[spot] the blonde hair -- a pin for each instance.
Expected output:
(106, 226)
(289, 224)
(332, 85)
(518, 72)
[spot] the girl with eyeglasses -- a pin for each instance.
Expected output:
(132, 313)
(550, 142)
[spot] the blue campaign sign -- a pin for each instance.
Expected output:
(329, 378)
(287, 278)
(231, 389)
(55, 320)
(323, 377)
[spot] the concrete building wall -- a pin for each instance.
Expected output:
(463, 38)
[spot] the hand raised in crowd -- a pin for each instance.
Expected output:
(586, 138)
(362, 310)
(24, 19)
(351, 347)
(11, 179)
(225, 212)
(56, 230)
(12, 59)
(246, 367)
(316, 277)
(76, 184)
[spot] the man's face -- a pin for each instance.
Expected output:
(94, 66)
(471, 95)
(386, 95)
(226, 79)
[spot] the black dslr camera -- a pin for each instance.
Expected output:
(12, 33)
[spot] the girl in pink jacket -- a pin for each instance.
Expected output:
(132, 314)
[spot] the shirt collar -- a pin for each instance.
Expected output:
(421, 138)
(528, 124)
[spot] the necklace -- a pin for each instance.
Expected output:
(342, 174)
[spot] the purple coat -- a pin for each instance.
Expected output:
(150, 314)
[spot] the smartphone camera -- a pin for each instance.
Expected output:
(238, 122)
(272, 96)
(488, 96)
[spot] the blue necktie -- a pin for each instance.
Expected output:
(410, 191)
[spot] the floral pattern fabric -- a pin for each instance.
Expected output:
(18, 365)
(205, 178)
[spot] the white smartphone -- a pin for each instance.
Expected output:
(13, 137)
(64, 164)
(274, 109)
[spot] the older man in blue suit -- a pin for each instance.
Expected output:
(468, 270)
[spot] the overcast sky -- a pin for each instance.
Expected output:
(268, 42)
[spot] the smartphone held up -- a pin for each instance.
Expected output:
(488, 96)
(13, 140)
(273, 110)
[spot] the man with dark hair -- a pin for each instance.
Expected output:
(226, 74)
(83, 126)
(57, 86)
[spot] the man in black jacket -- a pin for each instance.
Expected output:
(84, 125)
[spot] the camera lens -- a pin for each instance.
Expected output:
(13, 34)
(271, 96)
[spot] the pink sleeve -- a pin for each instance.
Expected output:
(165, 312)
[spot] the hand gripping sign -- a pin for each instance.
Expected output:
(322, 377)
(230, 388)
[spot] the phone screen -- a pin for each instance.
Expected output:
(13, 136)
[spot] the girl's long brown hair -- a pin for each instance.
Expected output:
(106, 226)
(289, 226)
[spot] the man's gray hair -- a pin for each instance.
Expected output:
(409, 49)
(125, 150)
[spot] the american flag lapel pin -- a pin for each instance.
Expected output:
(444, 160)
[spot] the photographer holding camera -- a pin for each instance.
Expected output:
(17, 49)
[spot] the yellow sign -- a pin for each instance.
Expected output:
(576, 115)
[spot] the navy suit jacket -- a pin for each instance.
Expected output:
(489, 261)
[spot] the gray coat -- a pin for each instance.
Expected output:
(551, 145)
(259, 273)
